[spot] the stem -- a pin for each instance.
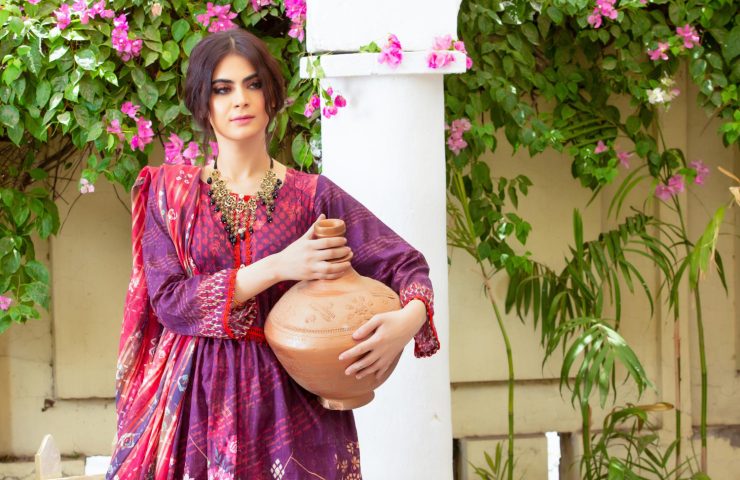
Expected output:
(583, 132)
(586, 438)
(510, 382)
(703, 363)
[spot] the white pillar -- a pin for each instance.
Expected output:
(386, 148)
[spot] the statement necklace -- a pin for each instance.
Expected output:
(237, 214)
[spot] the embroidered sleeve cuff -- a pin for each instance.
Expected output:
(219, 319)
(426, 341)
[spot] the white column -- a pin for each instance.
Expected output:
(386, 148)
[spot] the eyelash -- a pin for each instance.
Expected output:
(224, 90)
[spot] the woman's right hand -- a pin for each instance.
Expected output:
(309, 258)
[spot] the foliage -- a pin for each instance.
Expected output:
(62, 90)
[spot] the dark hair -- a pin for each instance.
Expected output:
(203, 60)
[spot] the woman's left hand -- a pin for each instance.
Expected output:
(382, 338)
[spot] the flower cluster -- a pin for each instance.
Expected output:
(296, 12)
(5, 302)
(392, 52)
(144, 133)
(455, 141)
(64, 14)
(86, 186)
(313, 104)
(176, 153)
(674, 186)
(441, 54)
(221, 15)
(686, 34)
(623, 157)
(701, 171)
(126, 48)
(663, 94)
(659, 52)
(603, 8)
(333, 103)
(258, 4)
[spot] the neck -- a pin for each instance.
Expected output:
(241, 161)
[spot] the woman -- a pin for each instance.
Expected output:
(200, 394)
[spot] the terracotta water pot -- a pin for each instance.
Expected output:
(313, 323)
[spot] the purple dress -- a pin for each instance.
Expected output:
(242, 416)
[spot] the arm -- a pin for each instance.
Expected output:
(381, 254)
(200, 305)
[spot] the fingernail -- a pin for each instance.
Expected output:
(341, 357)
(358, 377)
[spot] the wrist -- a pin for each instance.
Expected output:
(417, 311)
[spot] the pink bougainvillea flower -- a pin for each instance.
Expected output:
(663, 192)
(600, 147)
(98, 8)
(191, 153)
(340, 101)
(624, 158)
(701, 171)
(144, 129)
(676, 184)
(173, 150)
(442, 43)
(222, 15)
(689, 35)
(439, 59)
(332, 106)
(258, 4)
(33, 2)
(595, 18)
(126, 48)
(659, 53)
(460, 47)
(63, 16)
(5, 302)
(606, 8)
(213, 154)
(295, 10)
(86, 187)
(156, 9)
(457, 128)
(115, 128)
(130, 109)
(329, 111)
(312, 105)
(392, 52)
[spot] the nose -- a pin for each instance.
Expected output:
(241, 97)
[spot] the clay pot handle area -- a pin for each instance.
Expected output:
(329, 227)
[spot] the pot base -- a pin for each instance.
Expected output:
(347, 403)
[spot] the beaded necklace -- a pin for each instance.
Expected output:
(237, 214)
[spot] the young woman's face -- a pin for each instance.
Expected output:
(237, 105)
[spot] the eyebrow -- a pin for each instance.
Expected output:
(224, 80)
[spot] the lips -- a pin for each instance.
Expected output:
(242, 118)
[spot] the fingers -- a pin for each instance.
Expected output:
(332, 253)
(309, 232)
(367, 328)
(328, 243)
(363, 366)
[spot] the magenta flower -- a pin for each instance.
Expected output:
(63, 16)
(173, 150)
(191, 153)
(439, 59)
(600, 147)
(701, 171)
(595, 18)
(222, 15)
(460, 47)
(258, 4)
(5, 302)
(329, 111)
(99, 9)
(603, 8)
(295, 10)
(659, 53)
(136, 143)
(130, 109)
(457, 128)
(211, 158)
(340, 101)
(392, 52)
(313, 104)
(126, 48)
(689, 35)
(331, 108)
(86, 187)
(442, 43)
(32, 2)
(144, 130)
(676, 184)
(663, 192)
(115, 128)
(624, 158)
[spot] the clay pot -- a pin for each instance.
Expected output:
(313, 323)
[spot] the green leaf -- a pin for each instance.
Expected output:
(9, 115)
(86, 59)
(731, 46)
(170, 54)
(148, 93)
(64, 118)
(179, 29)
(58, 53)
(301, 151)
(11, 74)
(82, 115)
(43, 92)
(190, 42)
(703, 251)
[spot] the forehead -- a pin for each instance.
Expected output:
(233, 67)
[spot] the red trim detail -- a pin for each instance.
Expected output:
(227, 304)
(430, 318)
(256, 334)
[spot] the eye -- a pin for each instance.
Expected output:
(255, 85)
(221, 90)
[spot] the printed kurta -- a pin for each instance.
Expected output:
(208, 398)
